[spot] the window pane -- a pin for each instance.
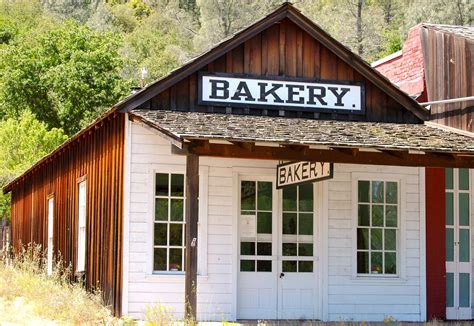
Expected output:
(377, 191)
(161, 184)
(161, 234)
(363, 262)
(161, 209)
(464, 290)
(390, 263)
(265, 196)
(364, 216)
(177, 209)
(376, 263)
(305, 249)
(176, 234)
(449, 289)
(306, 197)
(247, 248)
(176, 259)
(247, 265)
(305, 266)
(464, 245)
(363, 191)
(391, 216)
(463, 179)
(289, 198)
(289, 266)
(449, 244)
(264, 222)
(247, 192)
(264, 249)
(376, 239)
(391, 195)
(306, 224)
(449, 208)
(463, 209)
(449, 178)
(377, 215)
(289, 249)
(289, 223)
(362, 238)
(390, 239)
(177, 185)
(264, 265)
(159, 259)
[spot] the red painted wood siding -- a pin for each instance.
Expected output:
(98, 155)
(435, 244)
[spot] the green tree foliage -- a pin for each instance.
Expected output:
(66, 75)
(23, 141)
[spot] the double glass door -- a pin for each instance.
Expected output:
(458, 243)
(277, 245)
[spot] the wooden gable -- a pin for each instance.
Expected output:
(284, 47)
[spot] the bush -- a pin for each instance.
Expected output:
(29, 296)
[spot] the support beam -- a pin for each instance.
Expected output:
(191, 213)
(426, 159)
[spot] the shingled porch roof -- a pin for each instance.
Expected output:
(188, 126)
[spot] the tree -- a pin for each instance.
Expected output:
(23, 141)
(66, 76)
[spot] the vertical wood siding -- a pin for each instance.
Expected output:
(449, 63)
(99, 157)
(284, 49)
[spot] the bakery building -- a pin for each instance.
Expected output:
(276, 176)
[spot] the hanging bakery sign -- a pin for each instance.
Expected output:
(294, 173)
(280, 92)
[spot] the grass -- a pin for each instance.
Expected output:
(29, 296)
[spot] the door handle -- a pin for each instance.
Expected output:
(282, 274)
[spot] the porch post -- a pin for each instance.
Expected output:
(191, 213)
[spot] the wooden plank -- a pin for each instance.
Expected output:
(273, 50)
(360, 157)
(290, 50)
(238, 59)
(192, 213)
(308, 56)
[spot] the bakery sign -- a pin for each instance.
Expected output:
(224, 89)
(294, 173)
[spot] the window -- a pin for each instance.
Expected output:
(298, 218)
(169, 225)
(256, 226)
(81, 228)
(377, 227)
(50, 234)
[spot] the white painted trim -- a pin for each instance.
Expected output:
(235, 240)
(202, 224)
(387, 58)
(401, 257)
(324, 258)
(126, 213)
(422, 194)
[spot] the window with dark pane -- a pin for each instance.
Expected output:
(377, 226)
(256, 199)
(169, 227)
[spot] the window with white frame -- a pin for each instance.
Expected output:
(50, 234)
(169, 224)
(81, 227)
(378, 211)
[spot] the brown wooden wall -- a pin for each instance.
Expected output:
(284, 50)
(99, 156)
(449, 64)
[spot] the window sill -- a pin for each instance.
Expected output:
(379, 279)
(172, 277)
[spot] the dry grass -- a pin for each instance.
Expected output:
(29, 296)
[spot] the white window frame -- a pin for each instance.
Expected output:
(401, 234)
(50, 206)
(202, 222)
(81, 224)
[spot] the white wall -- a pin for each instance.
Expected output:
(344, 296)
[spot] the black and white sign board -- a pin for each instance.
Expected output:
(278, 92)
(294, 173)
